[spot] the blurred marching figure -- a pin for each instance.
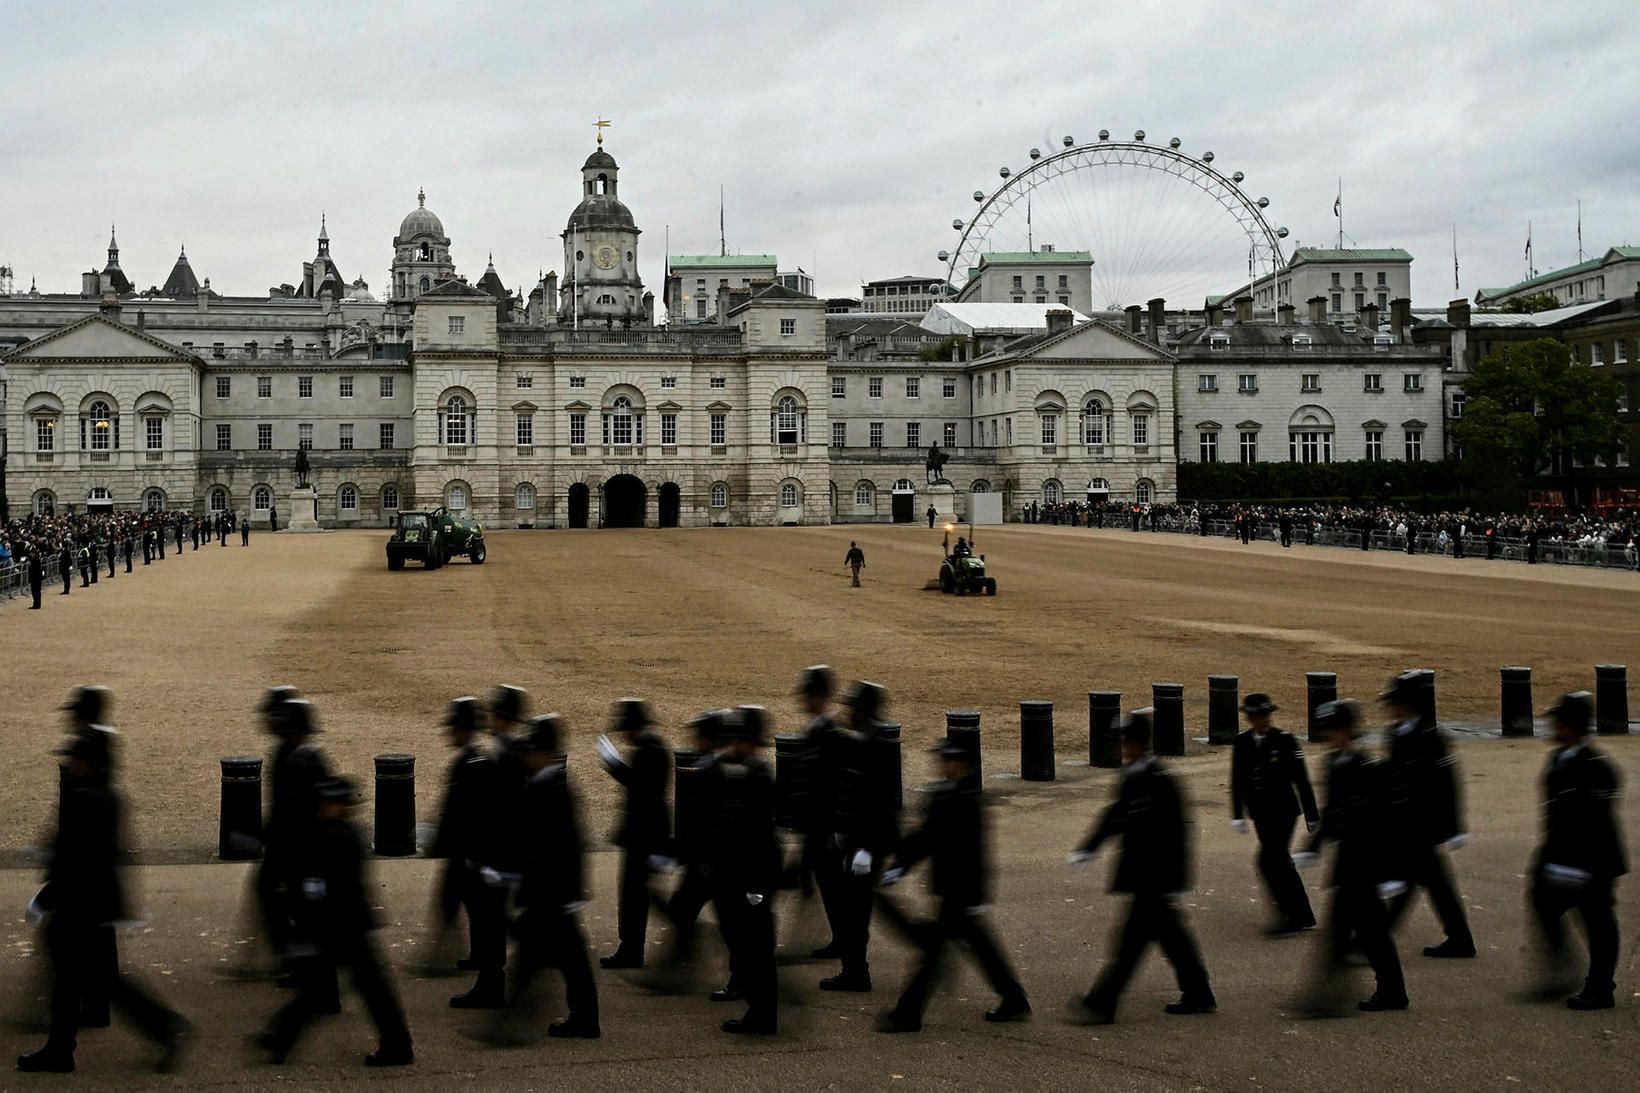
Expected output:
(456, 839)
(1580, 859)
(1268, 782)
(1354, 820)
(552, 893)
(952, 837)
(82, 901)
(1424, 813)
(742, 859)
(818, 863)
(335, 922)
(1154, 869)
(696, 780)
(646, 826)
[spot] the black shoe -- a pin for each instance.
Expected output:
(1379, 1004)
(894, 1022)
(1084, 1011)
(1287, 929)
(398, 1056)
(289, 981)
(828, 951)
(1011, 1009)
(751, 1026)
(1199, 1003)
(571, 1029)
(618, 959)
(857, 984)
(730, 993)
(479, 998)
(1586, 1001)
(176, 1041)
(273, 1050)
(1451, 950)
(46, 1062)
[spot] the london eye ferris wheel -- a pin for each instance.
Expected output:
(1157, 221)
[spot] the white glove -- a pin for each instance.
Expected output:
(975, 912)
(754, 899)
(1457, 842)
(313, 888)
(660, 863)
(34, 912)
(1565, 876)
(574, 908)
(1306, 859)
(1312, 826)
(860, 866)
(891, 877)
(1239, 826)
(425, 834)
(1391, 888)
(607, 752)
(490, 877)
(1078, 857)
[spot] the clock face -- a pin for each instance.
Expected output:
(606, 256)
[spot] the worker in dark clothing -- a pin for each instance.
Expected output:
(129, 549)
(147, 546)
(1424, 814)
(112, 545)
(1581, 856)
(65, 564)
(646, 825)
(552, 889)
(36, 575)
(1354, 820)
(855, 559)
(81, 900)
(86, 572)
(1155, 866)
(1286, 525)
(1268, 782)
(819, 861)
(461, 817)
(933, 515)
(245, 532)
(953, 838)
(336, 922)
(743, 865)
(193, 532)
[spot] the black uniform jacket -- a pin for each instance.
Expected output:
(550, 856)
(1149, 816)
(1355, 819)
(645, 825)
(861, 792)
(1423, 786)
(1269, 780)
(82, 879)
(742, 852)
(1580, 828)
(461, 819)
(953, 835)
(331, 907)
(298, 768)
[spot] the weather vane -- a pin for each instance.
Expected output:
(601, 125)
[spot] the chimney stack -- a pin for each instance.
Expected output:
(1214, 313)
(1158, 319)
(1244, 309)
(1318, 309)
(1059, 319)
(1285, 314)
(1400, 318)
(110, 306)
(1457, 313)
(723, 303)
(1369, 317)
(142, 320)
(91, 285)
(1133, 311)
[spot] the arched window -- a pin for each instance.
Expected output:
(348, 498)
(606, 298)
(456, 498)
(1099, 484)
(980, 486)
(390, 496)
(219, 499)
(424, 253)
(1095, 422)
(618, 422)
(154, 501)
(720, 495)
(788, 495)
(101, 421)
(45, 503)
(524, 496)
(1144, 492)
(863, 495)
(1050, 492)
(785, 421)
(425, 284)
(262, 499)
(455, 421)
(99, 495)
(901, 485)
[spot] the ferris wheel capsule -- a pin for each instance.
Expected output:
(1104, 134)
(956, 224)
(1036, 153)
(979, 195)
(1138, 134)
(1068, 140)
(1004, 172)
(1207, 157)
(944, 256)
(1264, 203)
(1237, 177)
(1174, 143)
(1281, 233)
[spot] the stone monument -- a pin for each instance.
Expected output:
(304, 499)
(939, 493)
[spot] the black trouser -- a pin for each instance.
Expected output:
(34, 587)
(852, 928)
(68, 576)
(461, 888)
(1424, 867)
(1275, 865)
(147, 552)
(1593, 904)
(110, 561)
(273, 899)
(85, 574)
(821, 860)
(162, 548)
(1286, 537)
(749, 933)
(952, 923)
(1151, 917)
(547, 937)
(128, 557)
(632, 921)
(245, 534)
(1356, 919)
(79, 968)
(316, 996)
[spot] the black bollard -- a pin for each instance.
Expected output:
(1320, 687)
(1223, 701)
(890, 731)
(962, 727)
(1611, 699)
(685, 797)
(1515, 705)
(1036, 740)
(1426, 706)
(239, 835)
(791, 754)
(1104, 745)
(395, 806)
(1168, 701)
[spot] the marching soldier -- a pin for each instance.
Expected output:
(1268, 782)
(1581, 856)
(953, 838)
(855, 559)
(337, 923)
(814, 688)
(645, 826)
(295, 771)
(81, 900)
(1155, 869)
(461, 817)
(1354, 821)
(1424, 814)
(688, 849)
(744, 866)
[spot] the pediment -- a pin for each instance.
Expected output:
(578, 406)
(97, 337)
(1098, 340)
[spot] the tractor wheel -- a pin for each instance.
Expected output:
(476, 553)
(990, 586)
(948, 584)
(395, 562)
(433, 557)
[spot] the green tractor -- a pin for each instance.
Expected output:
(433, 539)
(963, 571)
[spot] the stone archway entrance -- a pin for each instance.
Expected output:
(624, 497)
(578, 496)
(670, 498)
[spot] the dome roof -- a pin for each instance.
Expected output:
(598, 161)
(600, 211)
(421, 220)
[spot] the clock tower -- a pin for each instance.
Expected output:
(601, 283)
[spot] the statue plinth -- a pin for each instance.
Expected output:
(943, 496)
(304, 510)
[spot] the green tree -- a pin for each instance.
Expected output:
(1531, 407)
(1527, 305)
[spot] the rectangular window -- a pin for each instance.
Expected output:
(1412, 381)
(526, 380)
(1310, 381)
(264, 386)
(1459, 400)
(839, 435)
(669, 429)
(716, 383)
(913, 387)
(1217, 343)
(1375, 445)
(700, 307)
(1247, 383)
(153, 427)
(719, 434)
(1620, 351)
(458, 324)
(577, 381)
(1335, 280)
(264, 437)
(1209, 446)
(304, 386)
(913, 434)
(1050, 430)
(993, 383)
(1360, 300)
(1141, 430)
(45, 434)
(1010, 430)
(224, 438)
(1008, 380)
(876, 434)
(344, 386)
(1064, 299)
(1337, 302)
(1415, 445)
(384, 386)
(525, 428)
(1309, 447)
(1372, 381)
(1207, 381)
(223, 386)
(1064, 281)
(304, 436)
(1383, 278)
(344, 436)
(1359, 279)
(874, 387)
(1249, 447)
(948, 387)
(577, 430)
(1019, 282)
(384, 435)
(668, 382)
(1383, 302)
(1597, 353)
(788, 327)
(949, 437)
(839, 387)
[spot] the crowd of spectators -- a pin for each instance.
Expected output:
(86, 542)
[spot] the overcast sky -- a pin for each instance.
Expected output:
(846, 136)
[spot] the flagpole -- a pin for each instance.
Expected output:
(1580, 229)
(1455, 287)
(1338, 211)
